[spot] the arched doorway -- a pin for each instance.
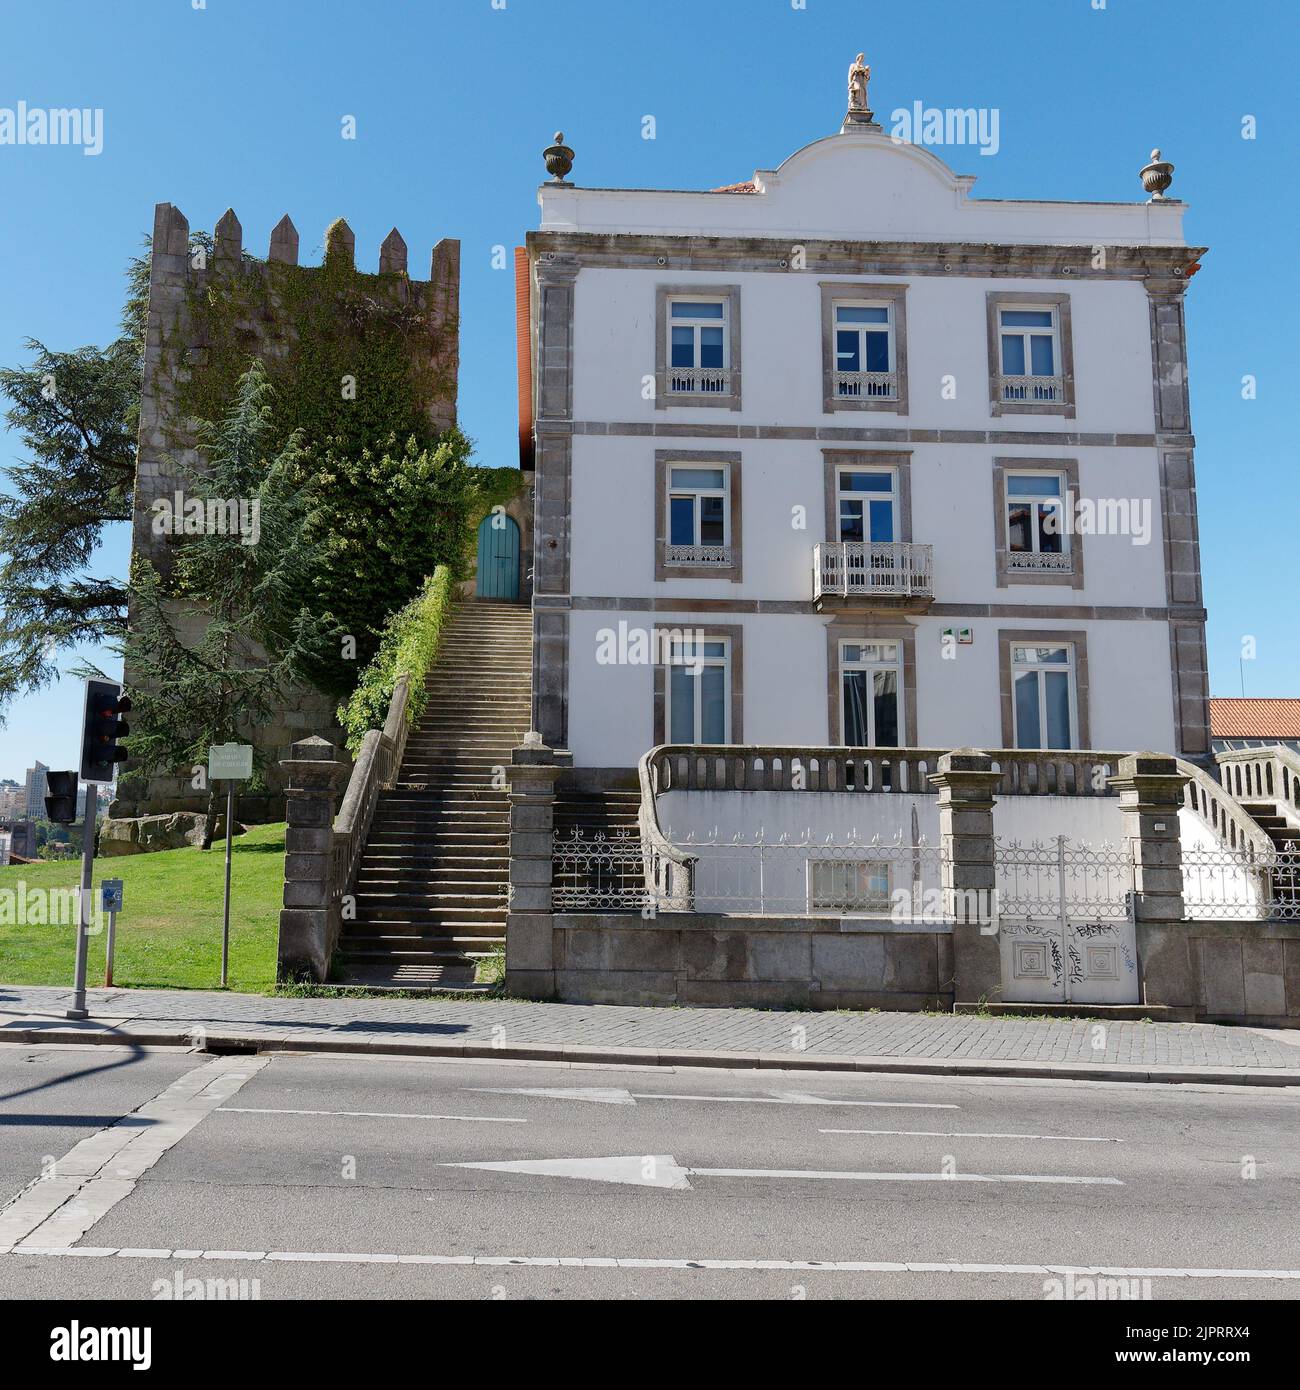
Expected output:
(498, 558)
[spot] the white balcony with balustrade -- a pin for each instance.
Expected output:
(892, 573)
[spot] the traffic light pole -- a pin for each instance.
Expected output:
(78, 1009)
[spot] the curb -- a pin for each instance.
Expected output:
(221, 1041)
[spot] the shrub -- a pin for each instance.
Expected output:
(408, 646)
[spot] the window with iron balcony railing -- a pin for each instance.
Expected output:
(862, 386)
(849, 569)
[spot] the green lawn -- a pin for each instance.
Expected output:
(169, 933)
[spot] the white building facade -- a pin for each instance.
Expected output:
(844, 456)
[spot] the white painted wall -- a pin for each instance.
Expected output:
(611, 707)
(614, 313)
(868, 826)
(1091, 819)
(612, 545)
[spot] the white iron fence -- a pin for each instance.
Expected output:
(787, 876)
(1244, 884)
(1063, 880)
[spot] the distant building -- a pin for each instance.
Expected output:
(13, 798)
(1254, 723)
(37, 789)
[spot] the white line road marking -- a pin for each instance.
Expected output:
(368, 1114)
(798, 1098)
(902, 1177)
(97, 1173)
(663, 1170)
(614, 1096)
(976, 1134)
(616, 1262)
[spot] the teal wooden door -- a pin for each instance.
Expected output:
(498, 557)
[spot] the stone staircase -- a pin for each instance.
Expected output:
(1273, 823)
(431, 886)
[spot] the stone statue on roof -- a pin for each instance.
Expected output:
(859, 76)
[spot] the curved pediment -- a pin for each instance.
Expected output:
(865, 183)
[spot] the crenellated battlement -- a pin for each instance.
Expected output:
(171, 233)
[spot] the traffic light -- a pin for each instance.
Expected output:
(100, 752)
(61, 803)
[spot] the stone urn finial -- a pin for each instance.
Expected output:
(559, 159)
(1157, 176)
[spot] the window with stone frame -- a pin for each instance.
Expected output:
(1031, 354)
(697, 347)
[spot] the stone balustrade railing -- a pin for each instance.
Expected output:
(1219, 812)
(1270, 773)
(375, 769)
(774, 767)
(669, 871)
(323, 850)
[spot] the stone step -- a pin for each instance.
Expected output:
(408, 879)
(415, 952)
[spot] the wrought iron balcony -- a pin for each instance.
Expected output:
(713, 556)
(699, 381)
(860, 569)
(864, 386)
(1040, 561)
(1033, 390)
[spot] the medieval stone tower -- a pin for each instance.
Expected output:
(213, 307)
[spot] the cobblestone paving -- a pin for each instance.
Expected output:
(901, 1035)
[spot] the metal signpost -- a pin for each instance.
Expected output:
(100, 754)
(78, 1009)
(110, 901)
(231, 763)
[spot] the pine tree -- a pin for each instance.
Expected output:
(255, 638)
(76, 415)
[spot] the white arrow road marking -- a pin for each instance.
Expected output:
(615, 1096)
(648, 1170)
(975, 1134)
(617, 1262)
(602, 1095)
(369, 1115)
(97, 1173)
(663, 1170)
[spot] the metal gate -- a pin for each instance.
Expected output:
(498, 557)
(1065, 922)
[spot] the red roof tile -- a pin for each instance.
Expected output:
(748, 187)
(1255, 718)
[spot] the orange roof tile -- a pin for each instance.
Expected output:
(749, 186)
(1255, 718)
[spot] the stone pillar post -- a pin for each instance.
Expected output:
(1151, 791)
(966, 782)
(309, 921)
(530, 964)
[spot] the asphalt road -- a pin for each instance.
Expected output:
(312, 1174)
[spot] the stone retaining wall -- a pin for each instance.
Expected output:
(697, 958)
(1223, 972)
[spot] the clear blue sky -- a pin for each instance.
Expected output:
(239, 103)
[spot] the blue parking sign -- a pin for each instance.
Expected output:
(111, 894)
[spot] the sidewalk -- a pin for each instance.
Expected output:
(898, 1042)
